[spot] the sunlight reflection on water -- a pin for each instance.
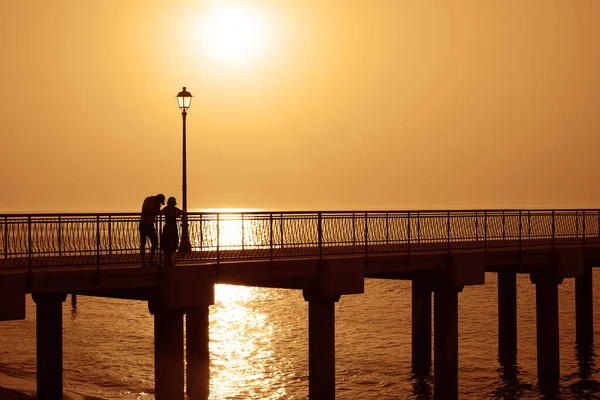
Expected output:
(243, 359)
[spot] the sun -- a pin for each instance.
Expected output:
(234, 35)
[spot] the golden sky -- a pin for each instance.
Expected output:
(353, 104)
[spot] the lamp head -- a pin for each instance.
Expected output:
(184, 99)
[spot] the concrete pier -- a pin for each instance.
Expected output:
(49, 345)
(546, 300)
(446, 341)
(507, 317)
(197, 353)
(168, 354)
(584, 307)
(321, 345)
(421, 327)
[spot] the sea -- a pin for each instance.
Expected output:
(259, 345)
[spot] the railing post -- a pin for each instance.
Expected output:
(448, 230)
(30, 243)
(320, 234)
(271, 233)
(408, 229)
(583, 228)
(418, 227)
(366, 234)
(503, 226)
(485, 235)
(201, 217)
(353, 229)
(476, 227)
(520, 235)
(59, 238)
(281, 228)
(218, 239)
(98, 242)
(5, 237)
(110, 235)
(243, 231)
(553, 228)
(576, 224)
(528, 224)
(387, 228)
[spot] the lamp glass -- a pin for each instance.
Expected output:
(184, 99)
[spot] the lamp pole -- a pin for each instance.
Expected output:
(184, 98)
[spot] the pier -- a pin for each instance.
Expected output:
(326, 255)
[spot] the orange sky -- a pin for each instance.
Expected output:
(350, 105)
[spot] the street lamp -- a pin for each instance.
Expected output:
(184, 99)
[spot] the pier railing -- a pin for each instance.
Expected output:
(35, 240)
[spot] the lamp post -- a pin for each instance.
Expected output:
(184, 99)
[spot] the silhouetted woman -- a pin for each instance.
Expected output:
(169, 237)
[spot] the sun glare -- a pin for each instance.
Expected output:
(234, 35)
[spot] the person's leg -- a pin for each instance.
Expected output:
(153, 242)
(143, 236)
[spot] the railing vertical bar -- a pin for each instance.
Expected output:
(271, 233)
(576, 224)
(320, 234)
(528, 224)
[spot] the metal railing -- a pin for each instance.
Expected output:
(42, 240)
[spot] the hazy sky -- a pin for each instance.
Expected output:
(353, 104)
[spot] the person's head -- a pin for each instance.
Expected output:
(161, 198)
(172, 202)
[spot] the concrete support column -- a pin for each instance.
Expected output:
(445, 376)
(197, 353)
(321, 345)
(49, 345)
(507, 317)
(546, 300)
(168, 354)
(584, 308)
(421, 327)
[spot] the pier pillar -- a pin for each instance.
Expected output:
(49, 345)
(168, 354)
(445, 316)
(421, 327)
(584, 308)
(507, 317)
(197, 353)
(321, 345)
(546, 300)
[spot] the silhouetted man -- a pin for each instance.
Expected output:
(150, 208)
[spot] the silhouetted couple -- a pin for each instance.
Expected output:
(169, 238)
